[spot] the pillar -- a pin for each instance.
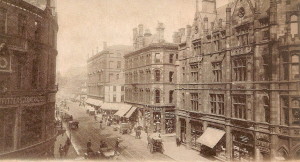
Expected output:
(204, 125)
(17, 129)
(228, 143)
(188, 132)
(178, 126)
(163, 121)
(151, 124)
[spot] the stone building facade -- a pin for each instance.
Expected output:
(150, 77)
(27, 79)
(238, 76)
(106, 74)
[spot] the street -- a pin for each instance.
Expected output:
(130, 148)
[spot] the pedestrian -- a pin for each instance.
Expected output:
(89, 144)
(65, 150)
(117, 143)
(68, 141)
(61, 151)
(95, 117)
(177, 142)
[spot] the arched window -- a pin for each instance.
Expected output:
(171, 58)
(294, 25)
(157, 75)
(157, 96)
(295, 66)
(171, 96)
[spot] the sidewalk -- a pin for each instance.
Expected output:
(61, 139)
(177, 153)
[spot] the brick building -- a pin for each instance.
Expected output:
(27, 79)
(238, 79)
(106, 75)
(150, 79)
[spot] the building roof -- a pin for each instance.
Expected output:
(171, 46)
(122, 49)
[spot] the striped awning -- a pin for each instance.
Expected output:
(130, 112)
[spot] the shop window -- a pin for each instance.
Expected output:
(157, 75)
(157, 96)
(7, 125)
(239, 107)
(157, 57)
(32, 126)
(295, 66)
(217, 104)
(194, 102)
(239, 69)
(171, 73)
(171, 58)
(267, 109)
(182, 130)
(217, 71)
(22, 22)
(3, 20)
(171, 96)
(294, 25)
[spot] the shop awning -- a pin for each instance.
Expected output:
(211, 137)
(94, 102)
(124, 108)
(130, 112)
(110, 106)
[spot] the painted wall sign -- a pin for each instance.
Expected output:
(22, 100)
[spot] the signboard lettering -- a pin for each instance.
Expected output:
(22, 100)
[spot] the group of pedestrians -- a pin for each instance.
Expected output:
(63, 150)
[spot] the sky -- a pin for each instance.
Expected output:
(85, 24)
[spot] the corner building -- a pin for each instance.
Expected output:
(27, 80)
(238, 80)
(150, 77)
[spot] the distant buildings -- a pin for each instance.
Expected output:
(27, 80)
(238, 80)
(150, 77)
(106, 75)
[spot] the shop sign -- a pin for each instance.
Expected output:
(169, 115)
(157, 109)
(22, 100)
(263, 142)
(182, 113)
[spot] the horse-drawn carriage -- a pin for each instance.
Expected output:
(66, 117)
(104, 152)
(73, 124)
(155, 143)
(125, 128)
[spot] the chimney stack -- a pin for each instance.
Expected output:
(160, 31)
(228, 15)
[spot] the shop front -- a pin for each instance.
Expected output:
(243, 146)
(196, 132)
(170, 122)
(213, 142)
(182, 130)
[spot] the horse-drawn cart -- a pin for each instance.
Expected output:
(155, 143)
(73, 124)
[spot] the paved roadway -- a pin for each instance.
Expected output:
(130, 148)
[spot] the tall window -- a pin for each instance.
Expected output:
(114, 98)
(216, 45)
(295, 66)
(239, 69)
(119, 64)
(239, 106)
(294, 25)
(157, 96)
(285, 108)
(267, 109)
(183, 100)
(286, 72)
(217, 71)
(295, 106)
(171, 96)
(217, 104)
(35, 73)
(194, 73)
(157, 75)
(148, 96)
(171, 58)
(171, 73)
(22, 25)
(194, 102)
(197, 49)
(3, 19)
(117, 76)
(157, 57)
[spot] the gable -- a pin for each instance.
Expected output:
(243, 12)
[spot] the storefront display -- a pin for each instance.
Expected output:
(182, 130)
(170, 122)
(243, 146)
(196, 132)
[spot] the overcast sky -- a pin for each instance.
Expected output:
(85, 24)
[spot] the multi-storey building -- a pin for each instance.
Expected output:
(27, 79)
(150, 79)
(238, 80)
(106, 75)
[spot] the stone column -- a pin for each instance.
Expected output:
(151, 121)
(228, 143)
(17, 129)
(163, 121)
(178, 126)
(188, 133)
